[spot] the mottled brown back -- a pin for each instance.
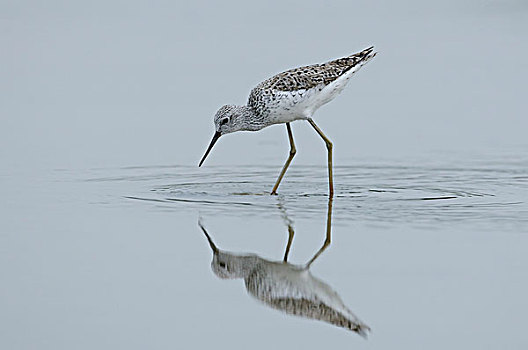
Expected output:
(318, 74)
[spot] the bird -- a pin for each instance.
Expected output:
(287, 287)
(289, 96)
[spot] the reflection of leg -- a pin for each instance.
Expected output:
(290, 240)
(288, 223)
(328, 234)
(288, 161)
(329, 147)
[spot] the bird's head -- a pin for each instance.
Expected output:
(228, 119)
(228, 265)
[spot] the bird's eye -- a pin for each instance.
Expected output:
(224, 121)
(222, 265)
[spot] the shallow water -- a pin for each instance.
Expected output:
(114, 256)
(430, 218)
(489, 196)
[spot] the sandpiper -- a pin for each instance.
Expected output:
(287, 287)
(288, 96)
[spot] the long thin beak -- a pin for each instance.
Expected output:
(216, 136)
(211, 243)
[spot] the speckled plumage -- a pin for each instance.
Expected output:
(286, 287)
(293, 290)
(317, 310)
(311, 76)
(291, 95)
(297, 93)
(288, 96)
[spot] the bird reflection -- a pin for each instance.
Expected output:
(288, 287)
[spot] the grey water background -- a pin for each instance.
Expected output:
(106, 108)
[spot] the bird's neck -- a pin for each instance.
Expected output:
(245, 264)
(249, 120)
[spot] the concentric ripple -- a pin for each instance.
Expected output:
(376, 194)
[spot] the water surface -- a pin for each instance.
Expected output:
(488, 195)
(424, 254)
(429, 235)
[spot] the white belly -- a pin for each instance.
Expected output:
(293, 105)
(302, 104)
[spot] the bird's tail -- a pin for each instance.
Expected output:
(361, 329)
(355, 324)
(363, 56)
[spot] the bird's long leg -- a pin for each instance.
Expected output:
(329, 147)
(293, 150)
(328, 234)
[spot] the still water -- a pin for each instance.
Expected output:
(428, 244)
(428, 256)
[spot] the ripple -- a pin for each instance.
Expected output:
(380, 194)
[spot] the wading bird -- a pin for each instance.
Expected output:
(288, 96)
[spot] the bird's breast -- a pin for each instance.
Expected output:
(287, 106)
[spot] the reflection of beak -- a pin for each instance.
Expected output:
(216, 136)
(213, 247)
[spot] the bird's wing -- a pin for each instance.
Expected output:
(308, 77)
(281, 292)
(318, 310)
